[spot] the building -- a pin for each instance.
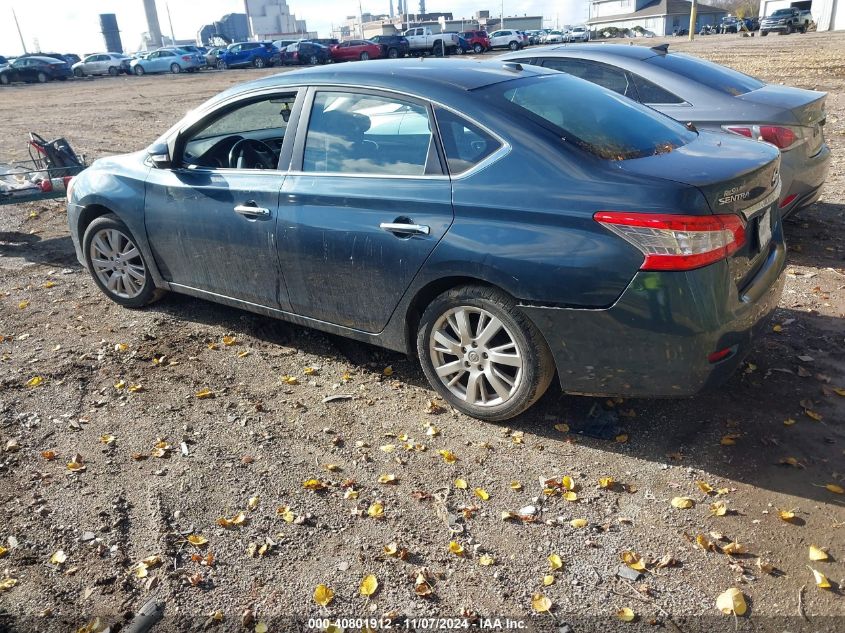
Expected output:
(272, 20)
(232, 26)
(829, 15)
(659, 17)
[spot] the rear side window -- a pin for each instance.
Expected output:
(725, 80)
(465, 143)
(650, 92)
(588, 116)
(607, 76)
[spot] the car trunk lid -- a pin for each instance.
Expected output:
(806, 106)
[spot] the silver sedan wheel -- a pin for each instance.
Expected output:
(117, 263)
(476, 356)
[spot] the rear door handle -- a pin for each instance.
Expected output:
(252, 209)
(399, 228)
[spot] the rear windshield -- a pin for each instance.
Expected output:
(725, 80)
(593, 118)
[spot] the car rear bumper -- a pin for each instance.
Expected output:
(656, 339)
(803, 177)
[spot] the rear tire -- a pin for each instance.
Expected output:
(112, 233)
(451, 344)
(222, 65)
(364, 56)
(41, 77)
(392, 53)
(478, 49)
(763, 33)
(459, 50)
(175, 69)
(258, 62)
(4, 80)
(313, 60)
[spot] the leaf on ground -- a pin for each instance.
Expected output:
(136, 388)
(34, 381)
(314, 484)
(261, 627)
(323, 595)
(456, 548)
(788, 422)
(76, 466)
(197, 539)
(606, 483)
(578, 523)
(368, 586)
(421, 585)
(481, 493)
(229, 341)
(548, 579)
(461, 484)
(376, 510)
(813, 415)
(7, 583)
(570, 496)
(448, 456)
(835, 488)
(58, 557)
(289, 380)
(204, 394)
(23, 305)
(683, 503)
(787, 515)
(734, 548)
(486, 560)
(253, 502)
(817, 553)
(48, 455)
(387, 479)
(563, 428)
(120, 384)
(108, 439)
(820, 579)
(555, 562)
(729, 440)
(704, 487)
(731, 602)
(121, 347)
(540, 603)
(388, 371)
(626, 614)
(718, 509)
(515, 485)
(633, 560)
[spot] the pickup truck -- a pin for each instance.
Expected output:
(786, 21)
(422, 40)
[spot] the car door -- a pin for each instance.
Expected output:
(211, 218)
(365, 203)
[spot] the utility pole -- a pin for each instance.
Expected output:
(360, 19)
(692, 16)
(20, 35)
(503, 15)
(172, 34)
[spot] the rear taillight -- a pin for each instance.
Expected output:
(780, 136)
(677, 242)
(787, 201)
(186, 58)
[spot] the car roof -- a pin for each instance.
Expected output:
(618, 50)
(42, 58)
(416, 75)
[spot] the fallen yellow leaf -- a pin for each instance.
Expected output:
(376, 510)
(839, 490)
(786, 515)
(107, 439)
(683, 503)
(388, 371)
(252, 503)
(387, 479)
(58, 558)
(540, 603)
(481, 493)
(323, 595)
(289, 380)
(578, 523)
(788, 422)
(34, 381)
(23, 305)
(121, 347)
(566, 483)
(515, 485)
(7, 583)
(821, 580)
(817, 553)
(120, 384)
(229, 340)
(731, 602)
(3, 551)
(633, 560)
(48, 455)
(421, 586)
(729, 440)
(570, 496)
(548, 579)
(75, 467)
(486, 560)
(704, 487)
(261, 627)
(555, 562)
(456, 548)
(563, 428)
(606, 482)
(197, 539)
(718, 509)
(313, 484)
(136, 388)
(621, 439)
(368, 586)
(203, 394)
(448, 456)
(626, 615)
(813, 415)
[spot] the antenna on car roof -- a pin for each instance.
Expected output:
(661, 48)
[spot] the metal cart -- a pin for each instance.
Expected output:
(45, 176)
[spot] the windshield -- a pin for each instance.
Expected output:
(712, 75)
(593, 118)
(780, 12)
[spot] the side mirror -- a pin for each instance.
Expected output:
(159, 154)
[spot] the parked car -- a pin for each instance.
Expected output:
(31, 69)
(211, 57)
(283, 44)
(192, 48)
(712, 97)
(578, 34)
(242, 54)
(392, 46)
(463, 47)
(729, 24)
(306, 52)
(163, 60)
(423, 40)
(505, 38)
(594, 276)
(752, 23)
(553, 37)
(354, 50)
(786, 21)
(103, 64)
(70, 58)
(3, 62)
(479, 40)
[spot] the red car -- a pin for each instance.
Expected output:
(478, 40)
(355, 49)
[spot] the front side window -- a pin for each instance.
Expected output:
(588, 116)
(465, 143)
(365, 134)
(248, 136)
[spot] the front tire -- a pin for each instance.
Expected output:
(392, 53)
(482, 354)
(514, 46)
(763, 33)
(364, 56)
(258, 62)
(77, 72)
(175, 69)
(139, 70)
(4, 80)
(222, 65)
(42, 77)
(117, 264)
(478, 49)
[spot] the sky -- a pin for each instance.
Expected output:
(72, 26)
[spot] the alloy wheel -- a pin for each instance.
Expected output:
(117, 263)
(476, 356)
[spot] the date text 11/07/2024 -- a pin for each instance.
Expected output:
(417, 624)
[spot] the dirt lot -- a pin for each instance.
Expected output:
(114, 383)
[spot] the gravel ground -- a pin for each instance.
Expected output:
(162, 466)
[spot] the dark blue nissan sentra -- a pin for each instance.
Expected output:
(502, 222)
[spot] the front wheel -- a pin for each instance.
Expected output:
(365, 56)
(4, 80)
(392, 53)
(482, 354)
(116, 263)
(175, 69)
(222, 65)
(42, 77)
(77, 72)
(514, 46)
(763, 33)
(139, 70)
(478, 49)
(459, 51)
(258, 62)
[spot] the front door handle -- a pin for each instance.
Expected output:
(401, 228)
(252, 209)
